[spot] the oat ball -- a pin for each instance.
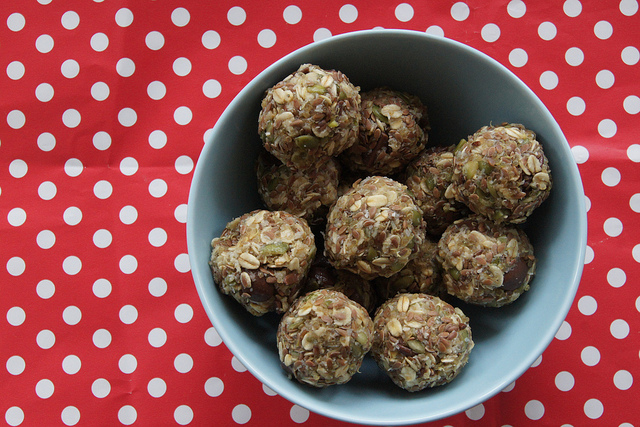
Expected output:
(420, 341)
(306, 193)
(393, 131)
(311, 114)
(262, 258)
(323, 275)
(502, 173)
(374, 229)
(323, 338)
(486, 263)
(429, 178)
(421, 275)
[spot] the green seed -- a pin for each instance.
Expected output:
(332, 124)
(317, 89)
(455, 273)
(307, 141)
(272, 249)
(485, 167)
(375, 109)
(460, 145)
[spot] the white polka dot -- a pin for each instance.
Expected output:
(125, 67)
(292, 14)
(537, 362)
(630, 55)
(157, 237)
(633, 153)
(45, 289)
(71, 364)
(619, 329)
(102, 189)
(45, 388)
(590, 356)
(127, 415)
(182, 115)
(183, 363)
(628, 7)
(518, 57)
(183, 415)
(44, 43)
(44, 92)
(605, 79)
(157, 337)
(16, 266)
(16, 316)
(603, 30)
(206, 136)
(102, 288)
(211, 39)
(16, 217)
(128, 166)
(70, 415)
(547, 31)
(16, 119)
(237, 365)
(71, 118)
(70, 20)
(212, 338)
(45, 339)
(572, 8)
(607, 128)
(158, 139)
(15, 70)
(593, 408)
(127, 117)
(574, 56)
(127, 364)
(564, 381)
(70, 68)
(236, 16)
(623, 380)
(16, 365)
(14, 416)
(101, 338)
(241, 414)
(102, 140)
(214, 387)
(635, 252)
(72, 265)
(580, 154)
(183, 313)
(184, 165)
(268, 391)
(549, 80)
(564, 332)
(180, 17)
(154, 40)
(156, 90)
(157, 286)
(124, 17)
(182, 66)
(181, 263)
(534, 409)
(157, 387)
(158, 188)
(46, 141)
(71, 315)
(321, 34)
(611, 177)
(16, 22)
(100, 388)
(267, 38)
(99, 42)
(631, 104)
(460, 11)
(128, 264)
(128, 215)
(211, 88)
(476, 413)
(616, 277)
(18, 168)
(404, 12)
(576, 106)
(490, 33)
(516, 8)
(587, 305)
(348, 13)
(180, 213)
(46, 239)
(128, 314)
(435, 30)
(237, 65)
(299, 414)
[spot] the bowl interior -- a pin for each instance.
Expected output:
(463, 90)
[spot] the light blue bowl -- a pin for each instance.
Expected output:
(463, 90)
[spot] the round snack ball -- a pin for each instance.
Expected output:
(306, 193)
(421, 275)
(429, 179)
(374, 229)
(262, 258)
(323, 338)
(322, 275)
(393, 131)
(311, 114)
(502, 173)
(486, 263)
(420, 341)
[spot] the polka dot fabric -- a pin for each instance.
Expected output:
(105, 107)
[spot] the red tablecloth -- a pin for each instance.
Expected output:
(105, 106)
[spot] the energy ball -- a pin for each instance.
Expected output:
(310, 114)
(393, 131)
(262, 258)
(306, 193)
(421, 275)
(323, 338)
(374, 229)
(429, 179)
(502, 173)
(485, 263)
(420, 341)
